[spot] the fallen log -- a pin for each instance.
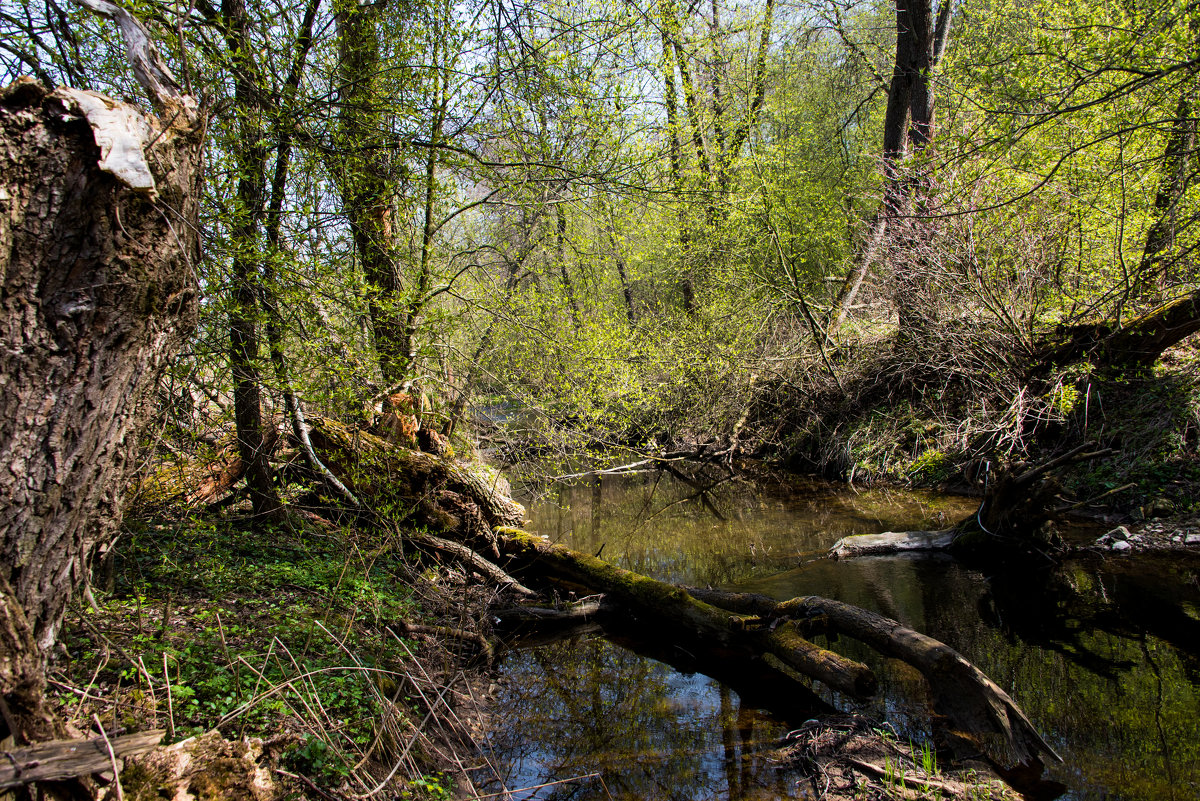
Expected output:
(714, 627)
(890, 542)
(382, 473)
(757, 681)
(66, 759)
(666, 607)
(980, 712)
(1015, 518)
(704, 626)
(1132, 345)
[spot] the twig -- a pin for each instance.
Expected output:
(307, 782)
(1062, 509)
(543, 786)
(462, 552)
(170, 702)
(112, 758)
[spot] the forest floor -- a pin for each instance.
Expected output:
(309, 645)
(321, 663)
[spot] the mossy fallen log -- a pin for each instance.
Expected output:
(1130, 345)
(706, 623)
(674, 611)
(395, 478)
(979, 711)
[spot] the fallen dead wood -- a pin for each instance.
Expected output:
(671, 609)
(904, 779)
(979, 711)
(447, 633)
(1132, 345)
(472, 560)
(385, 475)
(1015, 518)
(892, 542)
(712, 627)
(66, 759)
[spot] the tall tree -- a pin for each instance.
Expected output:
(98, 253)
(252, 149)
(908, 126)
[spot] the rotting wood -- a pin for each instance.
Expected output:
(56, 760)
(877, 772)
(980, 711)
(486, 651)
(471, 559)
(379, 472)
(892, 542)
(711, 624)
(1132, 345)
(656, 604)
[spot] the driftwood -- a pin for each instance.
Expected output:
(890, 542)
(66, 759)
(979, 710)
(1015, 518)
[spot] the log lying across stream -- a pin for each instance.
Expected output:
(707, 625)
(979, 712)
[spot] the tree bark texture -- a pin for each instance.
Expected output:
(98, 289)
(1130, 347)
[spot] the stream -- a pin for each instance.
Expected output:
(1102, 654)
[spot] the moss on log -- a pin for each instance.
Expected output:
(394, 478)
(666, 607)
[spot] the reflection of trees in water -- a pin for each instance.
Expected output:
(1101, 655)
(1106, 653)
(588, 707)
(656, 523)
(1104, 656)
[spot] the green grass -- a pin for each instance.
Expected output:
(273, 632)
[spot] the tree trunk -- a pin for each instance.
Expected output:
(1177, 173)
(250, 157)
(363, 174)
(1132, 347)
(908, 127)
(99, 287)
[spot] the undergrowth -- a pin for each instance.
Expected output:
(933, 417)
(276, 632)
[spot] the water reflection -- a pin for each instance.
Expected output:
(589, 707)
(658, 525)
(1104, 656)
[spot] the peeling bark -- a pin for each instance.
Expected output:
(98, 288)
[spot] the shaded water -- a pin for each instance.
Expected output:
(1104, 656)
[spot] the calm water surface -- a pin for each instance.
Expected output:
(1104, 656)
